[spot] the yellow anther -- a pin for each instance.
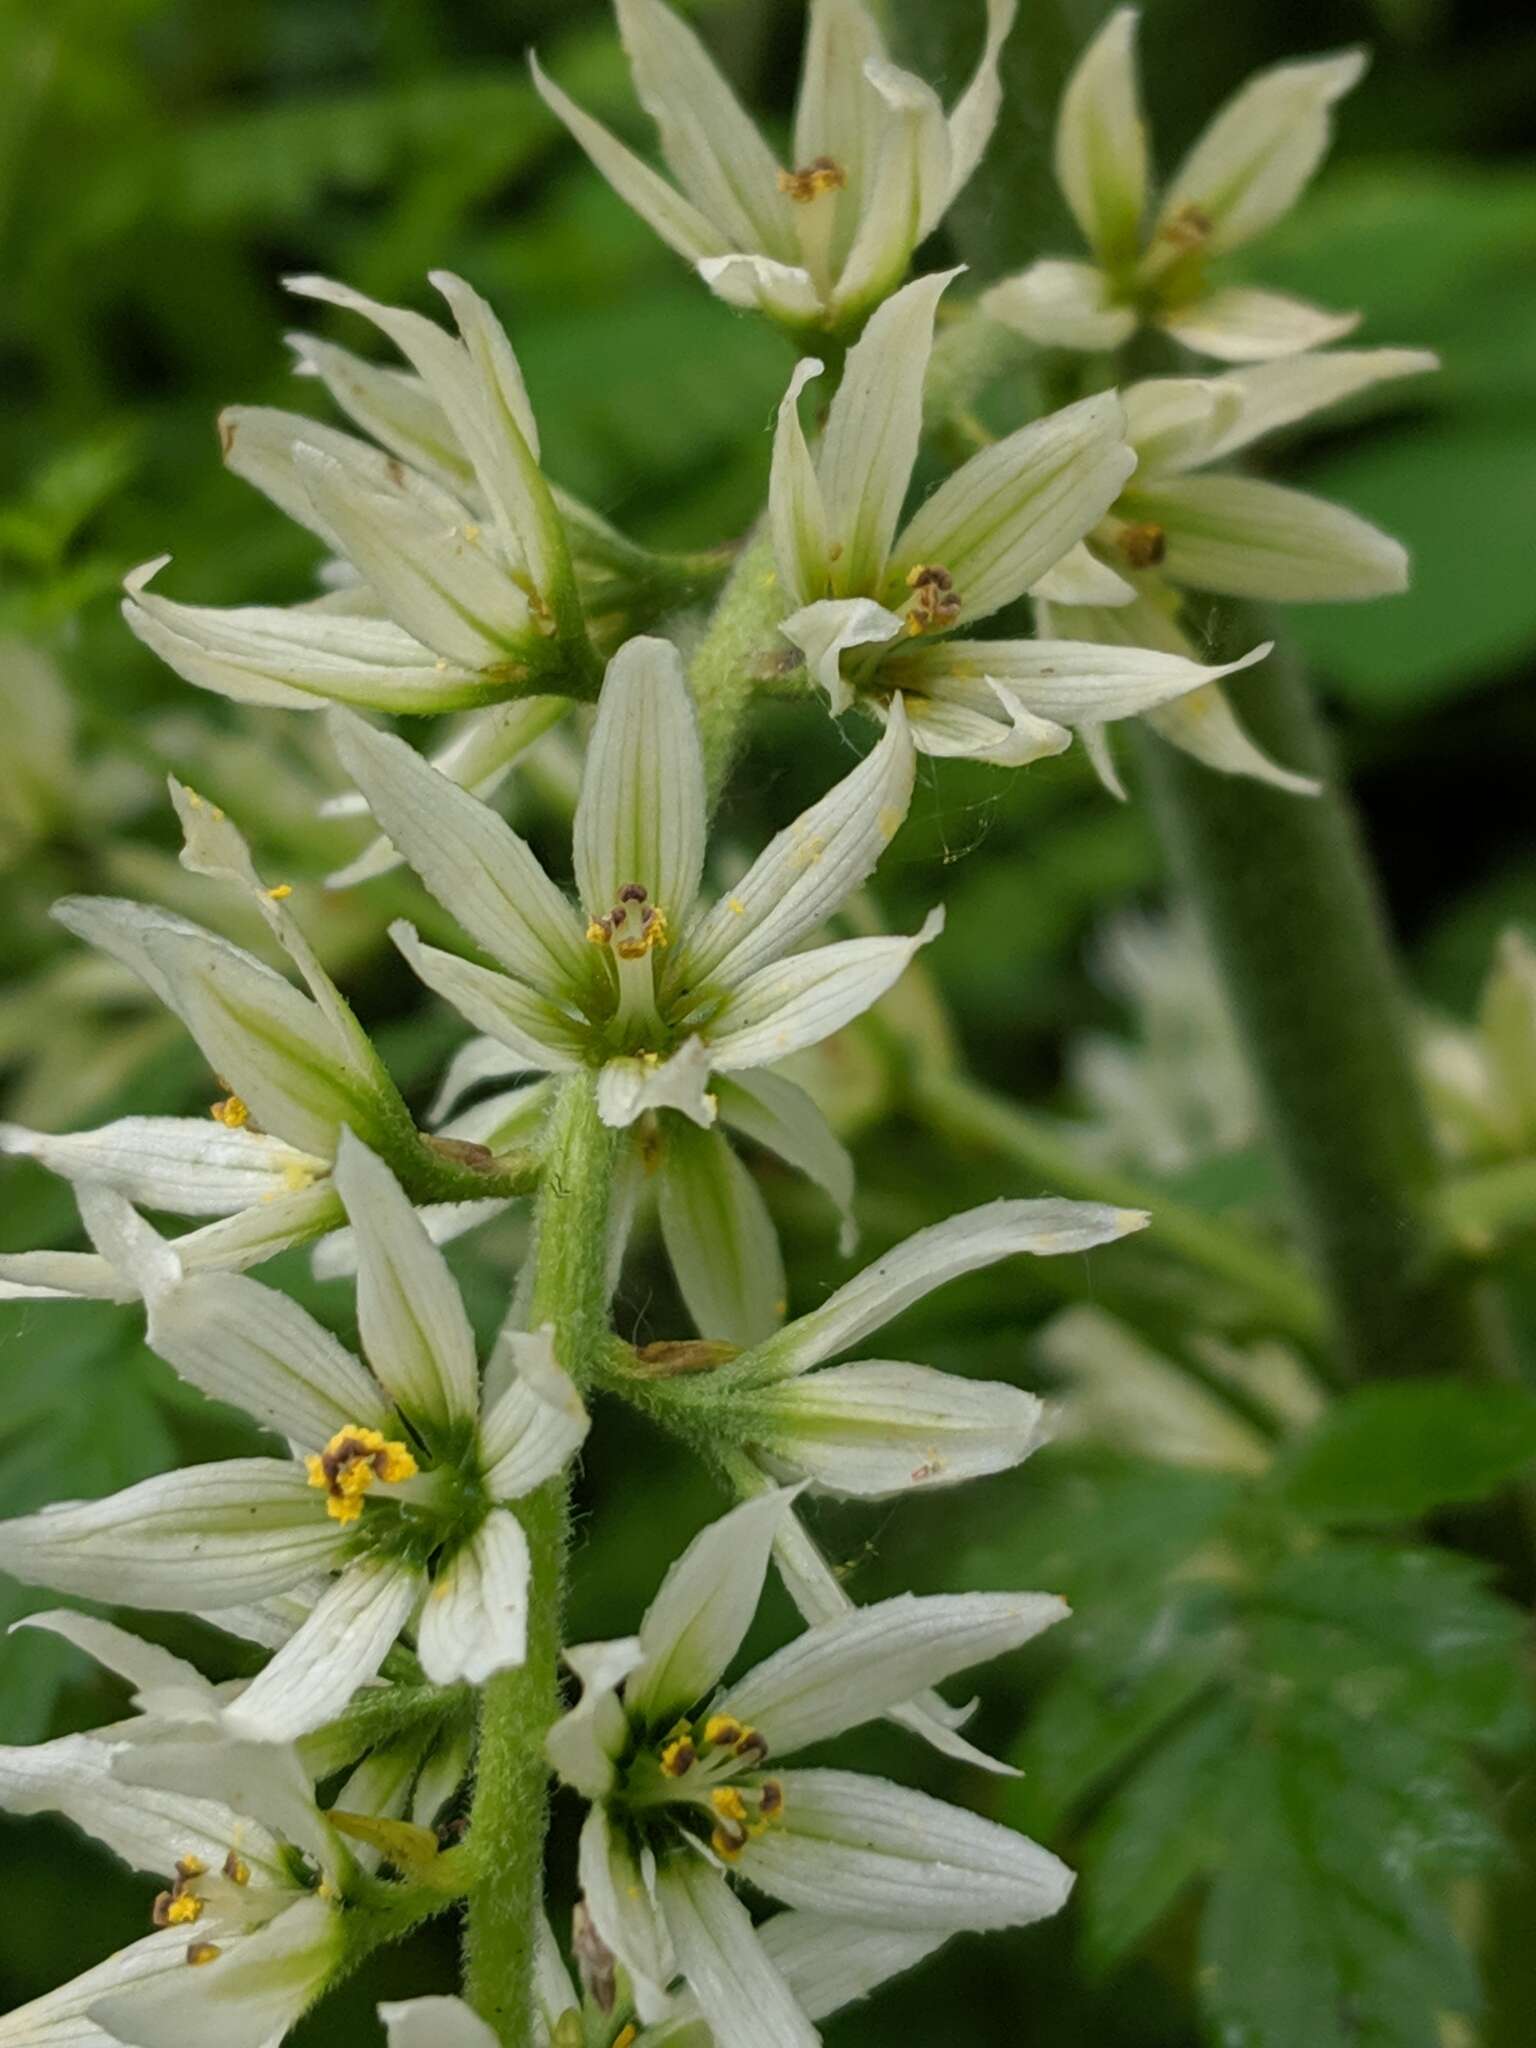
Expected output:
(236, 1869)
(679, 1757)
(652, 932)
(723, 1728)
(231, 1113)
(824, 174)
(728, 1803)
(598, 932)
(935, 601)
(349, 1465)
(201, 1952)
(1189, 227)
(177, 1909)
(281, 892)
(626, 2035)
(190, 1867)
(728, 1844)
(470, 533)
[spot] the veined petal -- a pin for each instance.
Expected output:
(585, 1740)
(757, 284)
(415, 1330)
(640, 818)
(619, 1895)
(477, 1060)
(1012, 511)
(824, 630)
(1241, 324)
(1204, 724)
(1061, 304)
(843, 1673)
(837, 115)
(59, 2018)
(1101, 142)
(189, 1165)
(248, 1997)
(804, 875)
(797, 1002)
(535, 1425)
(153, 1673)
(1074, 682)
(873, 429)
(541, 1038)
(338, 1649)
(795, 509)
(909, 192)
(719, 1237)
(264, 1783)
(1242, 537)
(335, 1257)
(470, 858)
(435, 2023)
(257, 1349)
(677, 220)
(1173, 424)
(1081, 578)
(259, 444)
(976, 1238)
(880, 1428)
(711, 145)
(828, 1964)
(699, 1619)
(1274, 395)
(475, 1620)
(861, 1848)
(394, 406)
(775, 1112)
(974, 115)
(739, 1990)
(553, 1992)
(1260, 149)
(627, 1087)
(951, 717)
(206, 1536)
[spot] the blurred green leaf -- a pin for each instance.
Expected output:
(1390, 1453)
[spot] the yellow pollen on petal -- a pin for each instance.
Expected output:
(735, 906)
(201, 1952)
(232, 1113)
(281, 892)
(470, 533)
(350, 1463)
(823, 174)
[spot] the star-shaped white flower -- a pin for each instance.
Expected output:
(399, 1485)
(686, 1787)
(877, 163)
(1150, 252)
(878, 601)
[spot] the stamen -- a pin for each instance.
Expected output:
(201, 1952)
(236, 1870)
(350, 1463)
(1189, 227)
(679, 1757)
(935, 601)
(770, 1799)
(231, 1112)
(176, 1909)
(822, 174)
(1143, 543)
(729, 1804)
(728, 1840)
(723, 1728)
(626, 2035)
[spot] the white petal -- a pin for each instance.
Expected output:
(978, 1237)
(974, 115)
(677, 220)
(699, 1618)
(843, 1673)
(470, 858)
(740, 1992)
(828, 1964)
(335, 1256)
(583, 1743)
(1173, 424)
(435, 2023)
(641, 815)
(1261, 147)
(988, 723)
(415, 1330)
(206, 1536)
(59, 2018)
(190, 1165)
(247, 1997)
(1203, 724)
(873, 429)
(1081, 578)
(536, 1424)
(475, 1620)
(795, 509)
(860, 1848)
(1071, 681)
(881, 1428)
(822, 631)
(775, 1112)
(477, 1060)
(719, 1238)
(803, 877)
(1242, 537)
(259, 444)
(1274, 395)
(338, 1649)
(797, 1002)
(146, 1667)
(1014, 510)
(614, 1887)
(757, 284)
(126, 1241)
(264, 1783)
(540, 1037)
(907, 195)
(1241, 324)
(1101, 142)
(553, 1991)
(1061, 304)
(393, 406)
(627, 1087)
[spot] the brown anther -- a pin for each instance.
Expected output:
(770, 1799)
(1143, 543)
(236, 1869)
(633, 892)
(935, 601)
(201, 1952)
(822, 174)
(226, 435)
(752, 1747)
(728, 1840)
(188, 1868)
(1189, 227)
(679, 1758)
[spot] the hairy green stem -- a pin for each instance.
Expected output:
(510, 1812)
(741, 652)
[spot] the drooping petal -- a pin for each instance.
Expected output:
(777, 1113)
(719, 1237)
(803, 876)
(540, 1037)
(640, 818)
(974, 115)
(435, 2023)
(843, 1673)
(1173, 424)
(740, 1991)
(1260, 149)
(534, 1426)
(192, 1166)
(470, 858)
(170, 1683)
(339, 1648)
(757, 284)
(477, 1060)
(205, 1536)
(798, 517)
(881, 1428)
(1243, 537)
(825, 630)
(1241, 324)
(1275, 395)
(1204, 725)
(1070, 681)
(586, 1739)
(1061, 304)
(1101, 142)
(952, 717)
(976, 1238)
(1011, 512)
(699, 1618)
(616, 1890)
(475, 1620)
(415, 1329)
(794, 1003)
(863, 1849)
(629, 1087)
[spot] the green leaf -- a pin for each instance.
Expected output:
(1390, 1453)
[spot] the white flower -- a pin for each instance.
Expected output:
(399, 1483)
(877, 163)
(1482, 1081)
(1149, 262)
(679, 1006)
(876, 601)
(686, 1786)
(297, 1070)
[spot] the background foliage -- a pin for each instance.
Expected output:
(1287, 1739)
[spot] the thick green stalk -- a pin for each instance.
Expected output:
(510, 1812)
(741, 652)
